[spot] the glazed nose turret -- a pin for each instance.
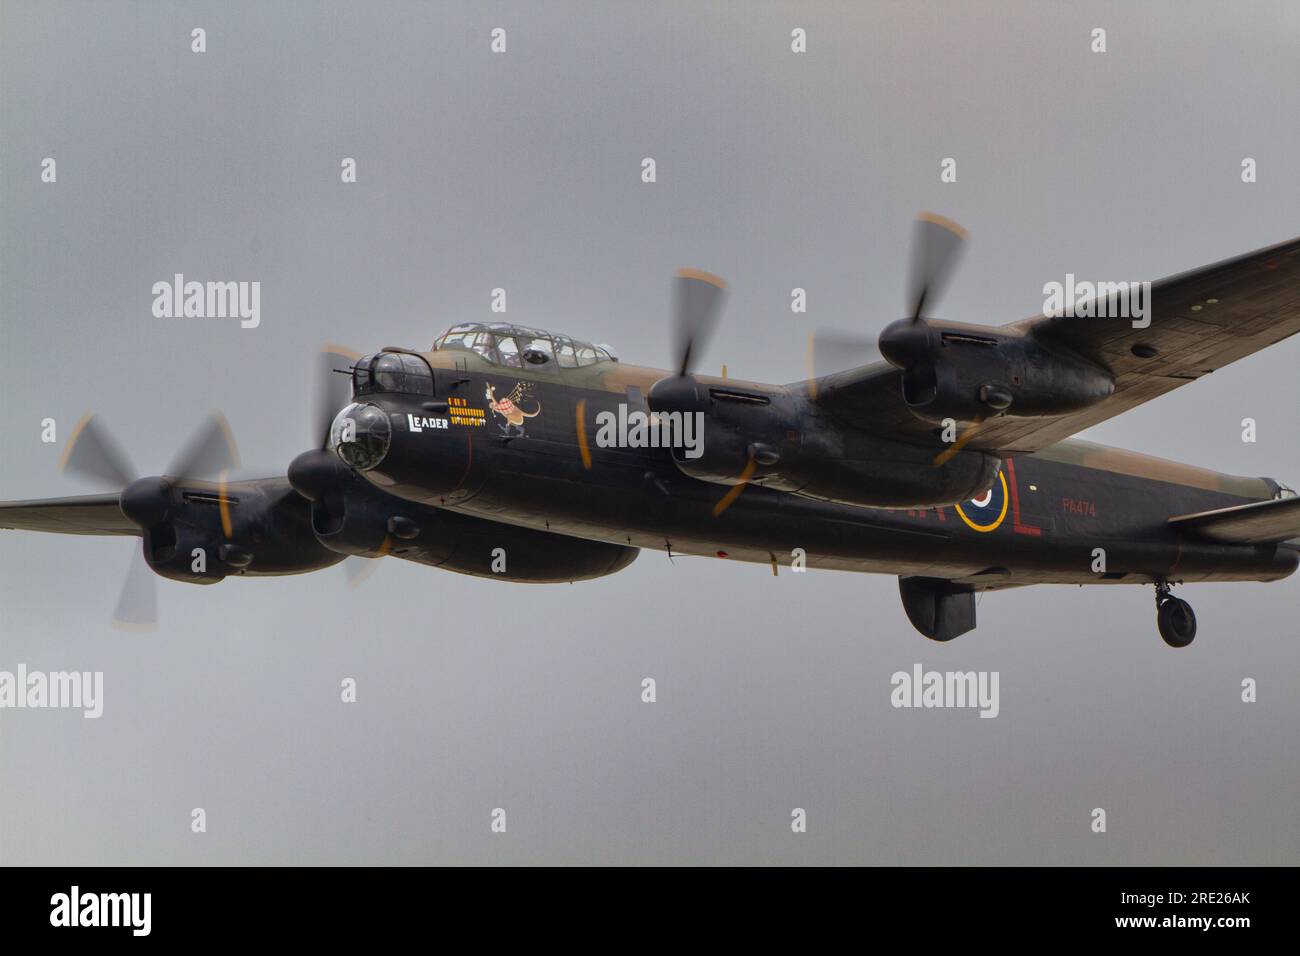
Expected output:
(361, 435)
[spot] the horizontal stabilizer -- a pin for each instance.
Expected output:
(1260, 522)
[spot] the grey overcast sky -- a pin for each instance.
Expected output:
(521, 170)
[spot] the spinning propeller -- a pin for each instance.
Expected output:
(93, 454)
(319, 475)
(697, 303)
(937, 243)
(332, 389)
(907, 344)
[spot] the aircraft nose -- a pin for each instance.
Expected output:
(360, 435)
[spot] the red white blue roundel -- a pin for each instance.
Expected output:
(986, 512)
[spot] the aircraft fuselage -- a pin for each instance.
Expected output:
(1074, 513)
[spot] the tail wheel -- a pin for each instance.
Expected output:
(1176, 621)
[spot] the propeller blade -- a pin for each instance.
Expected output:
(223, 505)
(332, 390)
(358, 569)
(727, 500)
(697, 304)
(833, 351)
(936, 245)
(211, 451)
(959, 444)
(137, 605)
(92, 453)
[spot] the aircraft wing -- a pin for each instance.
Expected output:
(1261, 522)
(1200, 321)
(84, 514)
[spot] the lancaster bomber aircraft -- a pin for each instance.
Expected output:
(517, 454)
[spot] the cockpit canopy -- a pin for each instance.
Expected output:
(519, 347)
(392, 372)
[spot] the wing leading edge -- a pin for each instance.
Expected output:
(84, 514)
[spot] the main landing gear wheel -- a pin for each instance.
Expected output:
(1175, 618)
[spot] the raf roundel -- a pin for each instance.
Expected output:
(986, 512)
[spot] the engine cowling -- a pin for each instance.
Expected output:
(201, 534)
(351, 516)
(971, 372)
(781, 440)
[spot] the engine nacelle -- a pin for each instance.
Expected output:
(351, 516)
(184, 553)
(780, 440)
(200, 534)
(489, 549)
(971, 372)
